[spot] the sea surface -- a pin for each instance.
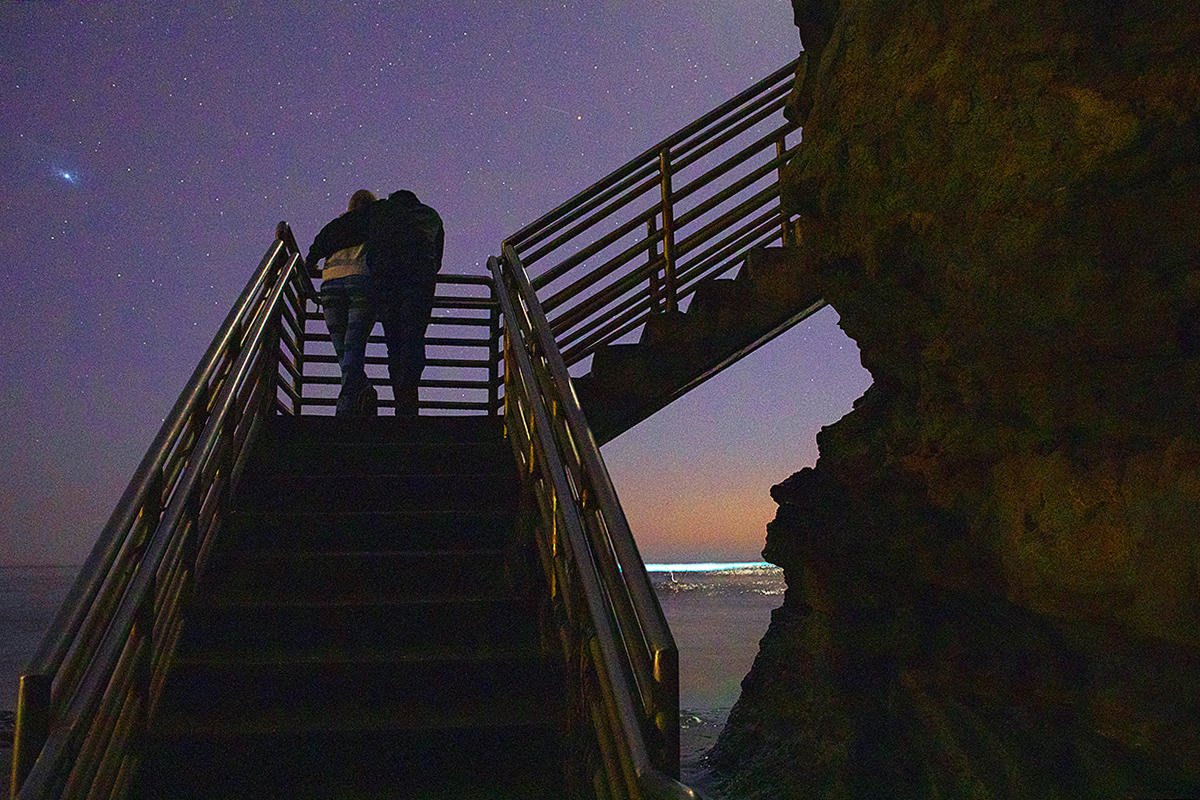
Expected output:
(717, 613)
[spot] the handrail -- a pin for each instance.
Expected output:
(93, 683)
(587, 551)
(614, 254)
(474, 363)
(521, 238)
(619, 627)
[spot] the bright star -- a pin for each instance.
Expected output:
(69, 177)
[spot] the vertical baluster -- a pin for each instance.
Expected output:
(33, 726)
(656, 294)
(780, 149)
(493, 354)
(668, 215)
(143, 625)
(301, 343)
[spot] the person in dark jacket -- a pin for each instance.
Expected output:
(404, 240)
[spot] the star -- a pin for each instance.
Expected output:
(69, 177)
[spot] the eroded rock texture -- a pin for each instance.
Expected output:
(994, 568)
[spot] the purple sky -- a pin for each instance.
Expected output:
(148, 153)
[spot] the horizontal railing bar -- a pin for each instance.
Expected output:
(595, 276)
(427, 383)
(738, 212)
(737, 100)
(481, 322)
(291, 392)
(585, 308)
(595, 247)
(616, 189)
(446, 405)
(737, 159)
(473, 363)
(290, 367)
(652, 183)
(688, 154)
(636, 313)
(763, 235)
(716, 248)
(740, 185)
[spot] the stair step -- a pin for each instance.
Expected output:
(349, 692)
(277, 456)
(780, 279)
(482, 763)
(339, 492)
(721, 302)
(294, 576)
(329, 530)
(476, 428)
(625, 372)
(667, 330)
(383, 626)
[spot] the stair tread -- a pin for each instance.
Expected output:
(279, 554)
(349, 716)
(411, 654)
(239, 600)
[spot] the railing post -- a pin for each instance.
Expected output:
(656, 297)
(144, 623)
(493, 353)
(301, 341)
(33, 726)
(668, 216)
(780, 149)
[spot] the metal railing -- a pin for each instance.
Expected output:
(634, 244)
(623, 666)
(686, 210)
(462, 343)
(87, 696)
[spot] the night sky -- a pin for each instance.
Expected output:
(146, 155)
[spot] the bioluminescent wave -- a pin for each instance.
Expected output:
(708, 566)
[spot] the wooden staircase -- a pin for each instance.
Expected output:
(358, 635)
(677, 350)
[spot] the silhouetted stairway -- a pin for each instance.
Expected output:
(677, 350)
(357, 635)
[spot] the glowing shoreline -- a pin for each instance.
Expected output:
(707, 566)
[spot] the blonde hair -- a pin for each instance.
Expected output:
(361, 198)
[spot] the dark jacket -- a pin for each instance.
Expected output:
(404, 239)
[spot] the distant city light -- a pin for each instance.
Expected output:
(707, 566)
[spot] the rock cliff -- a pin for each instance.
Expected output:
(994, 568)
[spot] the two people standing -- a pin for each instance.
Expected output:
(381, 263)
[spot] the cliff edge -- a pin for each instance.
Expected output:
(994, 568)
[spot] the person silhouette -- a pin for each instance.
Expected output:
(345, 299)
(403, 241)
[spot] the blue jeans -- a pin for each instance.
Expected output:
(350, 316)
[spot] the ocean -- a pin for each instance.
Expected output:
(717, 612)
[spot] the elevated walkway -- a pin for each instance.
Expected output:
(285, 604)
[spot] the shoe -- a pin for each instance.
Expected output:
(367, 402)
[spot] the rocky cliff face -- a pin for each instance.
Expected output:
(994, 567)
